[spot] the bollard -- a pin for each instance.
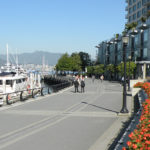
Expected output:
(42, 92)
(21, 98)
(33, 93)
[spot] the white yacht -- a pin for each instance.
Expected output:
(11, 82)
(14, 79)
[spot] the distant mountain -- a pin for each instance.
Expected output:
(36, 57)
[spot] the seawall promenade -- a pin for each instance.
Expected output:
(65, 120)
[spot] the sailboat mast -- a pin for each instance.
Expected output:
(17, 60)
(7, 55)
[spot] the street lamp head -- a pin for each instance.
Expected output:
(125, 39)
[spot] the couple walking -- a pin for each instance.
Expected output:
(79, 81)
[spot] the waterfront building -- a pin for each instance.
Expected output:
(136, 9)
(138, 49)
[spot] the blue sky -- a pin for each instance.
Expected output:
(59, 25)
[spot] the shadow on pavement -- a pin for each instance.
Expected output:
(101, 107)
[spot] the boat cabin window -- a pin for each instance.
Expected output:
(9, 82)
(1, 82)
(23, 79)
(18, 81)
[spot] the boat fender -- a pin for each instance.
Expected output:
(9, 97)
(28, 89)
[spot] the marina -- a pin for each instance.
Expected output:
(17, 83)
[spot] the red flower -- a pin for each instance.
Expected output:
(129, 143)
(134, 146)
(131, 135)
(138, 140)
(147, 142)
(140, 137)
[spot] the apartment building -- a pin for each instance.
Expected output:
(138, 49)
(136, 9)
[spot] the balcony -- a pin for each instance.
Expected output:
(134, 32)
(126, 16)
(143, 26)
(126, 1)
(126, 9)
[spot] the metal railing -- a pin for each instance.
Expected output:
(23, 95)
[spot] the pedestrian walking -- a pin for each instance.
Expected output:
(101, 78)
(93, 78)
(76, 83)
(82, 84)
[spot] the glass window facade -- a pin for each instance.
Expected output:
(145, 38)
(143, 11)
(136, 41)
(145, 53)
(145, 35)
(130, 10)
(119, 52)
(138, 14)
(130, 18)
(134, 16)
(139, 5)
(130, 2)
(143, 2)
(148, 7)
(134, 8)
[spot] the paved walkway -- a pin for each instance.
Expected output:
(65, 120)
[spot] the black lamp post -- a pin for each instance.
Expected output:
(129, 74)
(125, 42)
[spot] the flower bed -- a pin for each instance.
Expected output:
(140, 137)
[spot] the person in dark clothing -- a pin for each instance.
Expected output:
(76, 84)
(82, 84)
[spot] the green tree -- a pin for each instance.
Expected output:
(143, 19)
(110, 68)
(131, 26)
(129, 68)
(90, 70)
(75, 62)
(64, 63)
(99, 69)
(120, 68)
(117, 36)
(85, 60)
